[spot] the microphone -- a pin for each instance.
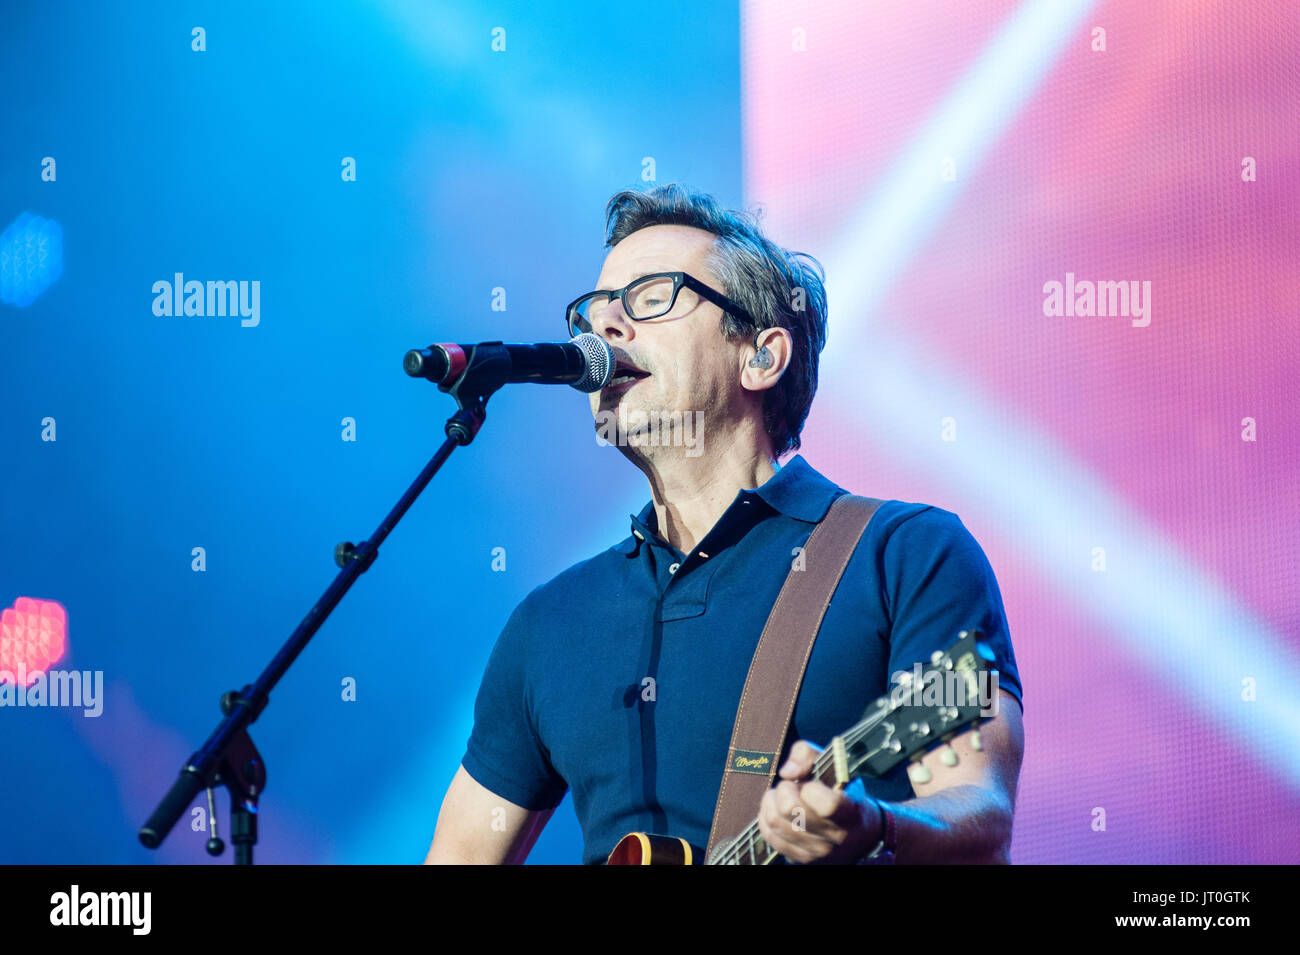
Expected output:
(586, 362)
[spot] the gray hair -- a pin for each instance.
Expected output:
(779, 289)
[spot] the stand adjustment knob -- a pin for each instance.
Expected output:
(345, 553)
(215, 845)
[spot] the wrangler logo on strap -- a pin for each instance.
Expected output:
(750, 761)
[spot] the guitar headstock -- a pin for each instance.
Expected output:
(956, 689)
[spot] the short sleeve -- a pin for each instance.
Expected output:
(504, 753)
(938, 582)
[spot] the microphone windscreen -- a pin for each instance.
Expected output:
(599, 362)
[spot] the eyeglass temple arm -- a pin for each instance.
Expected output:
(717, 298)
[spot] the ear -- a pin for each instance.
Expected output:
(780, 350)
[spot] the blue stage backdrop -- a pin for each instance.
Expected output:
(374, 176)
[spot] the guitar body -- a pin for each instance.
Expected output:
(641, 848)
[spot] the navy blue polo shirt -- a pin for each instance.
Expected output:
(619, 679)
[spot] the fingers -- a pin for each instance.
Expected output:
(776, 819)
(805, 822)
(821, 800)
(800, 761)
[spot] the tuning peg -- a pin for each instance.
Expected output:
(975, 742)
(920, 775)
(948, 756)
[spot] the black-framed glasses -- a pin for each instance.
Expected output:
(651, 296)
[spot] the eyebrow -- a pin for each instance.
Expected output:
(639, 275)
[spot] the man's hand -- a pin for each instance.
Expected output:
(962, 813)
(807, 821)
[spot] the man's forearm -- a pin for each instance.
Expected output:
(960, 825)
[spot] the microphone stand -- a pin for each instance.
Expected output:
(229, 757)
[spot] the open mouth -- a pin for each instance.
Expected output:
(625, 373)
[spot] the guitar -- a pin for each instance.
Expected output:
(929, 707)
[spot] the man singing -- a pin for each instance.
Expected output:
(620, 678)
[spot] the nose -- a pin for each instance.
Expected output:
(609, 321)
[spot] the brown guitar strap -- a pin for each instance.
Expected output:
(776, 672)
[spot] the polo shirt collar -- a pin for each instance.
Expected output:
(795, 490)
(800, 492)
